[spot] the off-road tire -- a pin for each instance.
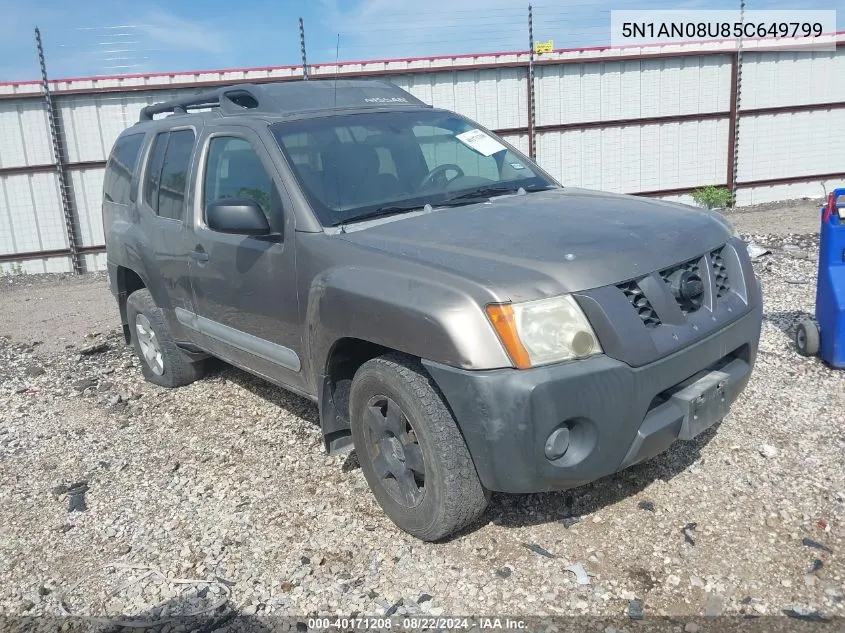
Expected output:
(178, 368)
(453, 496)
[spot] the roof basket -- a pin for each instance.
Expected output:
(231, 99)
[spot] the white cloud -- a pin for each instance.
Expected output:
(81, 40)
(166, 31)
(380, 28)
(399, 28)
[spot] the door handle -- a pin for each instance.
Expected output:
(199, 254)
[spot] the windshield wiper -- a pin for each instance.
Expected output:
(485, 193)
(393, 209)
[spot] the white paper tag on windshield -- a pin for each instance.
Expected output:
(480, 142)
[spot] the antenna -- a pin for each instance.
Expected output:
(336, 69)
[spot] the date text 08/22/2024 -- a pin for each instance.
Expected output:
(416, 623)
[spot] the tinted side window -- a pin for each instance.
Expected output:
(119, 169)
(174, 174)
(234, 170)
(153, 174)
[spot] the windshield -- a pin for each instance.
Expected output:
(362, 165)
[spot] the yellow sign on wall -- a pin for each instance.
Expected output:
(544, 47)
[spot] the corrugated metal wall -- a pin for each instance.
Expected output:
(30, 205)
(576, 93)
(791, 144)
(635, 158)
(635, 121)
(495, 98)
(638, 158)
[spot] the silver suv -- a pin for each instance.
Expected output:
(462, 320)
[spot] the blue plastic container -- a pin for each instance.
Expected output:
(830, 291)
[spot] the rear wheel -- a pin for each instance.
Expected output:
(411, 451)
(807, 338)
(162, 362)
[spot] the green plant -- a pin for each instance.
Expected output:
(712, 197)
(15, 268)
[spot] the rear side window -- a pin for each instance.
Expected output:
(153, 175)
(167, 173)
(120, 167)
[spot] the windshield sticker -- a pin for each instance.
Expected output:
(517, 165)
(480, 142)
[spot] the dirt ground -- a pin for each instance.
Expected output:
(798, 217)
(56, 312)
(226, 480)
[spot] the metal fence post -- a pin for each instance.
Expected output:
(532, 138)
(58, 153)
(733, 126)
(302, 47)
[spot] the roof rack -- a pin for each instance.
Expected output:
(291, 98)
(244, 96)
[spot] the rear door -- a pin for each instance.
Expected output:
(244, 287)
(163, 205)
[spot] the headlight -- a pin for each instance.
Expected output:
(545, 331)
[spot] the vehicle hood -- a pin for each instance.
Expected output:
(551, 242)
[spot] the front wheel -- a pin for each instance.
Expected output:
(411, 451)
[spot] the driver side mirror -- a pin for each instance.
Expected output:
(241, 216)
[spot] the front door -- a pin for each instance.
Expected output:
(245, 300)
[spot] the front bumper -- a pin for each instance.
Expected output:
(620, 415)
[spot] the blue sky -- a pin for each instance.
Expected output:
(99, 37)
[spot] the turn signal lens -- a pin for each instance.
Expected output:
(504, 322)
(545, 331)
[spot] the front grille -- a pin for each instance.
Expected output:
(692, 266)
(720, 273)
(689, 283)
(641, 303)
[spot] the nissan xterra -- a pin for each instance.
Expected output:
(462, 320)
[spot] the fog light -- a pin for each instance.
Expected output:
(557, 443)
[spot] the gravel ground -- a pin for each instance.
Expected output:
(220, 492)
